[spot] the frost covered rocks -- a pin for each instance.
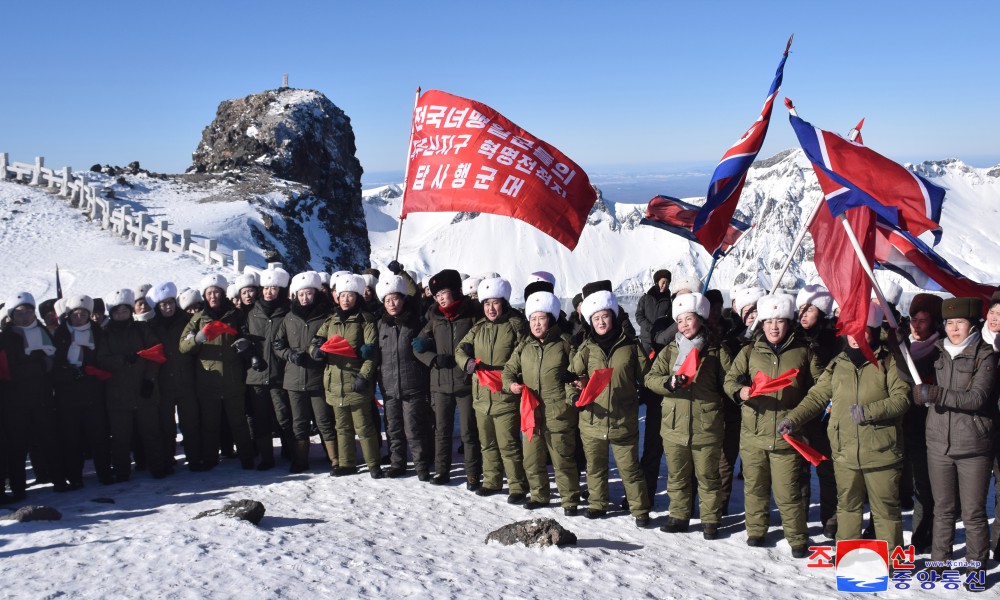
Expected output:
(534, 532)
(33, 513)
(298, 136)
(245, 510)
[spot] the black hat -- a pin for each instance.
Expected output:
(449, 279)
(597, 286)
(46, 307)
(660, 274)
(962, 308)
(577, 299)
(538, 286)
(374, 272)
(928, 303)
(714, 297)
(995, 299)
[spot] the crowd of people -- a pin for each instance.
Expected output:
(235, 365)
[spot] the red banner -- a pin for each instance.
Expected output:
(689, 368)
(808, 452)
(491, 380)
(467, 157)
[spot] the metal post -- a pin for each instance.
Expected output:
(406, 174)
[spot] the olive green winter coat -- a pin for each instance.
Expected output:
(492, 343)
(219, 370)
(761, 414)
(341, 373)
(884, 398)
(540, 363)
(617, 407)
(693, 415)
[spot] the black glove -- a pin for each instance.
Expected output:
(857, 414)
(146, 389)
(573, 400)
(297, 358)
(468, 350)
(676, 382)
(314, 349)
(744, 380)
(568, 377)
(241, 345)
(367, 351)
(422, 344)
(279, 344)
(470, 366)
(257, 364)
(927, 394)
(360, 383)
(395, 267)
(444, 361)
(785, 427)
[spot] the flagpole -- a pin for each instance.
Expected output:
(406, 174)
(716, 259)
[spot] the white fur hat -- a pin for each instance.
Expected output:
(370, 280)
(685, 282)
(542, 302)
(494, 289)
(490, 275)
(542, 276)
(747, 296)
(777, 306)
(60, 307)
(393, 284)
(18, 300)
(232, 292)
(307, 279)
(212, 281)
(875, 314)
(694, 302)
(79, 301)
(118, 298)
(276, 277)
(188, 298)
(471, 286)
(335, 278)
(247, 280)
(892, 292)
(597, 301)
(161, 292)
(816, 295)
(324, 278)
(142, 290)
(351, 283)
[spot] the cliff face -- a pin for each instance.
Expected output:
(298, 136)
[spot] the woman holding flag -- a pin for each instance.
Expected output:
(610, 364)
(538, 371)
(483, 352)
(769, 377)
(866, 433)
(689, 373)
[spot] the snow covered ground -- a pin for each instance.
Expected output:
(357, 537)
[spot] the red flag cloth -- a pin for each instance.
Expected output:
(762, 384)
(599, 381)
(491, 380)
(4, 367)
(838, 265)
(339, 346)
(808, 452)
(153, 353)
(677, 217)
(689, 368)
(528, 405)
(465, 156)
(98, 373)
(216, 328)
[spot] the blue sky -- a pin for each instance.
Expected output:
(618, 86)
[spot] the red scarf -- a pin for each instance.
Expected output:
(451, 311)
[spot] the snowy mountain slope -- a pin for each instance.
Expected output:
(779, 193)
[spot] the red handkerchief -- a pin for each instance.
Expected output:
(599, 381)
(491, 380)
(217, 328)
(98, 373)
(339, 346)
(762, 384)
(689, 368)
(808, 452)
(528, 405)
(154, 353)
